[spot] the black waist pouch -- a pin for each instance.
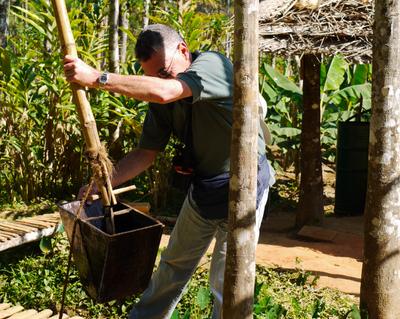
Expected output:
(211, 194)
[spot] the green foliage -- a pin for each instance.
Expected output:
(41, 137)
(354, 313)
(36, 282)
(284, 99)
(41, 142)
(345, 94)
(201, 30)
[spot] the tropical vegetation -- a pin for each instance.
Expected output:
(42, 150)
(36, 281)
(40, 134)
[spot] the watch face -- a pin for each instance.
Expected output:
(103, 78)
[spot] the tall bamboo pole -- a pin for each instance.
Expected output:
(94, 151)
(240, 264)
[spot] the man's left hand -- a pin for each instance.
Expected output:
(77, 71)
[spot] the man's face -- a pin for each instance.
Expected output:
(167, 65)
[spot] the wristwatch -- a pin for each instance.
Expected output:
(103, 78)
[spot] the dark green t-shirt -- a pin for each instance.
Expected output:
(210, 78)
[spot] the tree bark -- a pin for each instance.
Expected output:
(123, 23)
(310, 208)
(240, 264)
(228, 43)
(380, 283)
(4, 9)
(180, 10)
(146, 13)
(113, 37)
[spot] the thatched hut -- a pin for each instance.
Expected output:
(328, 27)
(310, 29)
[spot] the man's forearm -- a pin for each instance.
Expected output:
(146, 88)
(132, 165)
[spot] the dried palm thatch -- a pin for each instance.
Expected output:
(288, 27)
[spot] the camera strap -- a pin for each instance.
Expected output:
(187, 154)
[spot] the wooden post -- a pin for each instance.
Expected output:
(380, 284)
(240, 261)
(86, 118)
(310, 209)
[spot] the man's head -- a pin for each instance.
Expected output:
(162, 52)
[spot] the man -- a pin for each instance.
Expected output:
(190, 97)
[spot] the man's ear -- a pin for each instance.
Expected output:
(183, 48)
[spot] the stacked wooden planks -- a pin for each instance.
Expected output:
(8, 311)
(21, 231)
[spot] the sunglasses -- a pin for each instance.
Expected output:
(165, 73)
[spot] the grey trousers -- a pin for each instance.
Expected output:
(188, 242)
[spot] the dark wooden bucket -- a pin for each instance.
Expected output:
(112, 266)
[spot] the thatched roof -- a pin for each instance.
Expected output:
(334, 26)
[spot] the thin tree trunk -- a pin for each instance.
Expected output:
(123, 23)
(380, 283)
(146, 13)
(228, 44)
(240, 264)
(113, 37)
(180, 10)
(310, 209)
(46, 42)
(4, 9)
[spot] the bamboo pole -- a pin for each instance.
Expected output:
(94, 150)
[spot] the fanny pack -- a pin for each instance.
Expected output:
(210, 195)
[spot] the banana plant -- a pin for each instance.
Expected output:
(345, 92)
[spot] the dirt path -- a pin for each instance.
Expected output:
(338, 263)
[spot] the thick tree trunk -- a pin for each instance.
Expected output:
(240, 264)
(380, 284)
(310, 208)
(123, 23)
(113, 36)
(4, 9)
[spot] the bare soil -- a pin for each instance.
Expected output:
(337, 262)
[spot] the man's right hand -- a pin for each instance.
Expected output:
(77, 71)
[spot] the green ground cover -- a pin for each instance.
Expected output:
(36, 280)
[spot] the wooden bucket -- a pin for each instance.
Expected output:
(112, 266)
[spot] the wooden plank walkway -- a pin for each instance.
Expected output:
(25, 230)
(8, 311)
